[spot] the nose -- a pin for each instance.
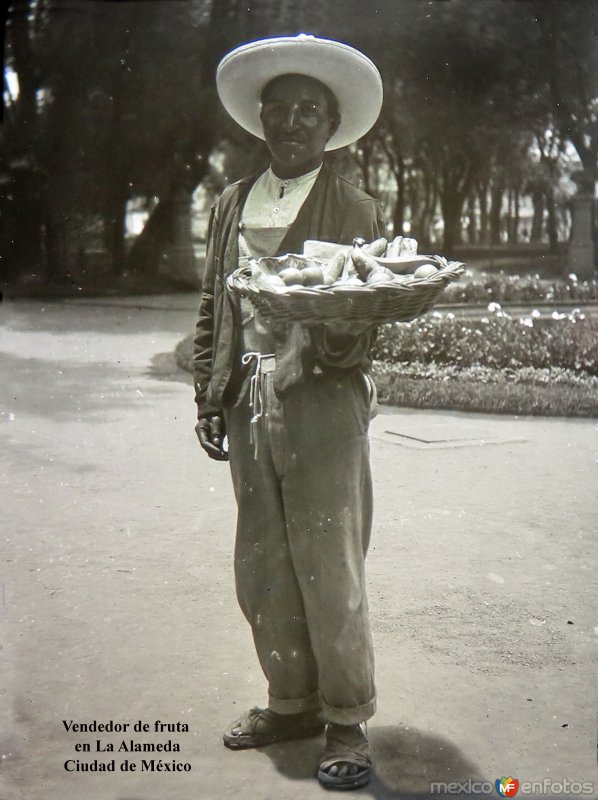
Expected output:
(291, 119)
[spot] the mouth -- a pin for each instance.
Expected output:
(289, 140)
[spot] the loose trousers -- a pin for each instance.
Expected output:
(303, 529)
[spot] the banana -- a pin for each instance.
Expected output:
(334, 268)
(377, 247)
(394, 248)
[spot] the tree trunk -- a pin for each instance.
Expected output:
(363, 162)
(150, 245)
(513, 216)
(115, 230)
(538, 218)
(483, 201)
(22, 220)
(551, 224)
(452, 206)
(22, 182)
(399, 210)
(472, 226)
(166, 239)
(56, 238)
(180, 258)
(516, 216)
(25, 117)
(422, 206)
(496, 197)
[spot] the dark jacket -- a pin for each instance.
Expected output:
(334, 211)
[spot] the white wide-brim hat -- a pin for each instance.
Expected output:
(354, 79)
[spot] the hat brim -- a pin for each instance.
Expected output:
(354, 79)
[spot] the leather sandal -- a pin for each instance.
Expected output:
(261, 726)
(342, 751)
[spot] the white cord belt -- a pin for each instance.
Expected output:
(263, 363)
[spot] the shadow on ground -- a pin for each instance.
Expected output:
(52, 388)
(406, 762)
(163, 367)
(161, 315)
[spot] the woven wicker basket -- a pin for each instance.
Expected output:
(377, 304)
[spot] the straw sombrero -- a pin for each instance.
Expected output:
(243, 73)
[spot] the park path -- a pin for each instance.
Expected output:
(118, 598)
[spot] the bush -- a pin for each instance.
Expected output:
(498, 341)
(503, 288)
(547, 392)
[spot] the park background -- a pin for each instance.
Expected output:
(115, 147)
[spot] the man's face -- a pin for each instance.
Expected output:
(297, 122)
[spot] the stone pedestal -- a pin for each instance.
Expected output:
(580, 253)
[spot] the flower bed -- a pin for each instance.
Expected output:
(497, 364)
(483, 288)
(545, 392)
(496, 341)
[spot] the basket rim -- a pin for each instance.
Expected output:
(377, 303)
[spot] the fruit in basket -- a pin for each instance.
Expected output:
(263, 280)
(334, 269)
(377, 247)
(401, 246)
(313, 276)
(403, 265)
(292, 276)
(394, 248)
(380, 275)
(425, 271)
(353, 280)
(363, 262)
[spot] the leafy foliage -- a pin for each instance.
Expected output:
(503, 288)
(498, 341)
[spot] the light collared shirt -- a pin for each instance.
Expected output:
(273, 202)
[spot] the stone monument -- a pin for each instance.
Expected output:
(581, 258)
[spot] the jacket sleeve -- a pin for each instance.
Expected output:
(363, 218)
(204, 328)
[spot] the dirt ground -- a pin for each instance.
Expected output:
(118, 600)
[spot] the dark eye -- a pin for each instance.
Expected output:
(309, 109)
(272, 108)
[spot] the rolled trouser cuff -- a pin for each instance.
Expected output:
(295, 705)
(349, 716)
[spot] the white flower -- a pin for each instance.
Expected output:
(493, 306)
(572, 277)
(536, 313)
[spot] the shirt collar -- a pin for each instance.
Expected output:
(300, 180)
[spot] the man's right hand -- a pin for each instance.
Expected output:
(210, 432)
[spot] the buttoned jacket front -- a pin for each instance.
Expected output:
(334, 211)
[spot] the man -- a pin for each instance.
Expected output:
(298, 444)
